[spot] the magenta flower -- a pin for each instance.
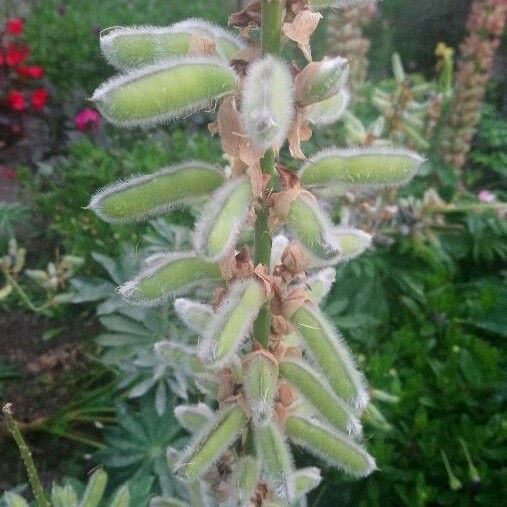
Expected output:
(87, 119)
(486, 196)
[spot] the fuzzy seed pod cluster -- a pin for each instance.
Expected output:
(273, 370)
(345, 37)
(485, 27)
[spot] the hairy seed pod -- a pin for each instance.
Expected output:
(305, 480)
(13, 500)
(316, 391)
(142, 197)
(232, 322)
(135, 46)
(122, 497)
(319, 81)
(209, 445)
(245, 476)
(330, 110)
(319, 284)
(333, 446)
(267, 102)
(328, 350)
(62, 496)
(353, 242)
(223, 219)
(95, 489)
(158, 501)
(196, 316)
(193, 417)
(164, 91)
(277, 460)
(260, 382)
(360, 168)
(169, 276)
(312, 227)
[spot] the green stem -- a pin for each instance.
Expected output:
(272, 16)
(23, 295)
(26, 456)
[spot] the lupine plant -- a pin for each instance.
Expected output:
(277, 371)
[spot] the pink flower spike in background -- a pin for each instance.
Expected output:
(486, 196)
(87, 119)
(14, 26)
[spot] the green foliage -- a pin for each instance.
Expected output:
(68, 51)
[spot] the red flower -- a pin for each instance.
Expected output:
(39, 98)
(14, 26)
(16, 101)
(86, 119)
(16, 54)
(7, 173)
(30, 72)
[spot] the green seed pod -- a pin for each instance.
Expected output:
(122, 497)
(330, 110)
(319, 284)
(245, 476)
(223, 219)
(324, 4)
(150, 195)
(195, 316)
(126, 47)
(193, 417)
(333, 446)
(260, 385)
(164, 91)
(316, 391)
(63, 496)
(167, 276)
(209, 445)
(360, 168)
(398, 70)
(353, 242)
(322, 80)
(276, 459)
(312, 227)
(267, 102)
(158, 501)
(306, 479)
(14, 500)
(232, 322)
(328, 350)
(94, 490)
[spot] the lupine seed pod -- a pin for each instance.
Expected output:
(232, 322)
(319, 284)
(122, 497)
(164, 91)
(324, 4)
(63, 496)
(353, 242)
(333, 446)
(312, 227)
(305, 480)
(158, 501)
(277, 460)
(330, 110)
(195, 316)
(142, 197)
(169, 276)
(319, 81)
(223, 219)
(193, 417)
(357, 168)
(209, 445)
(95, 489)
(14, 500)
(144, 45)
(260, 384)
(245, 476)
(267, 102)
(328, 350)
(315, 390)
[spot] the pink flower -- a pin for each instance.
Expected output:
(14, 26)
(39, 98)
(7, 173)
(486, 196)
(87, 119)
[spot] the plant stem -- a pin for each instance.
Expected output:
(23, 295)
(26, 456)
(272, 14)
